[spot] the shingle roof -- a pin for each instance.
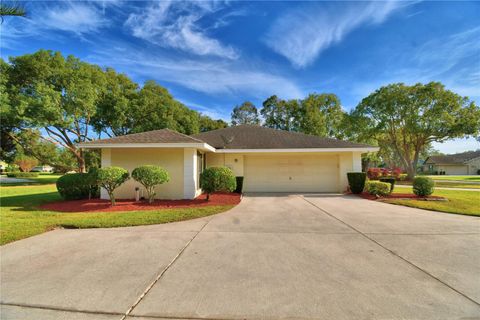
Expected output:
(258, 137)
(155, 136)
(458, 158)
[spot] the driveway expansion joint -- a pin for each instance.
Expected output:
(392, 252)
(53, 308)
(160, 275)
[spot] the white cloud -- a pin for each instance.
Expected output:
(301, 35)
(175, 24)
(210, 77)
(76, 17)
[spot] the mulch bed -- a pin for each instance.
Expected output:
(98, 205)
(401, 196)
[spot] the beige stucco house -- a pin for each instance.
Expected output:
(466, 163)
(269, 160)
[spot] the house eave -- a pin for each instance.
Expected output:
(299, 150)
(200, 146)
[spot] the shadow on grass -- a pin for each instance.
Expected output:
(28, 202)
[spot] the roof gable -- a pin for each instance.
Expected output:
(155, 136)
(258, 137)
(458, 158)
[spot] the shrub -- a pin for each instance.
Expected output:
(25, 163)
(239, 187)
(75, 186)
(378, 188)
(217, 179)
(111, 178)
(356, 181)
(402, 177)
(391, 181)
(149, 177)
(374, 173)
(19, 174)
(423, 186)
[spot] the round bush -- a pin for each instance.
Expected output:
(423, 186)
(356, 181)
(75, 186)
(391, 181)
(217, 179)
(378, 188)
(149, 177)
(111, 178)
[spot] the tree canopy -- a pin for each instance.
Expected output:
(246, 113)
(409, 118)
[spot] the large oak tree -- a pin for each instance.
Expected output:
(410, 118)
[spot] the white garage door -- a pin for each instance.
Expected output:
(291, 173)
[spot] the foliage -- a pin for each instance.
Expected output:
(111, 178)
(25, 163)
(321, 115)
(246, 113)
(409, 118)
(22, 174)
(391, 181)
(76, 186)
(423, 186)
(356, 181)
(11, 9)
(280, 114)
(150, 176)
(217, 179)
(208, 124)
(378, 188)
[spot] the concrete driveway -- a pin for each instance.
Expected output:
(271, 257)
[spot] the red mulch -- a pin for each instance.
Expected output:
(98, 205)
(368, 196)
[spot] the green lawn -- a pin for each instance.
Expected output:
(460, 202)
(20, 218)
(472, 178)
(43, 178)
(447, 184)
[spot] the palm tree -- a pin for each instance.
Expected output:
(11, 10)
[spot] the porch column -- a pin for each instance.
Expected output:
(106, 162)
(190, 183)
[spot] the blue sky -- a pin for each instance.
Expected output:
(214, 55)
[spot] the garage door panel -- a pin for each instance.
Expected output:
(291, 173)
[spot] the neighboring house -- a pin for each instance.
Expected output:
(465, 163)
(269, 160)
(46, 168)
(3, 166)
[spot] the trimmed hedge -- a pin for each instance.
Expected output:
(75, 186)
(22, 174)
(149, 176)
(378, 188)
(217, 179)
(356, 181)
(389, 180)
(423, 186)
(239, 187)
(111, 178)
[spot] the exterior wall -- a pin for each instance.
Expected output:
(452, 169)
(345, 165)
(106, 162)
(130, 158)
(234, 161)
(191, 185)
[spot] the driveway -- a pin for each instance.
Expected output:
(271, 257)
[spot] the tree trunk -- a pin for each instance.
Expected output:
(112, 198)
(208, 196)
(81, 161)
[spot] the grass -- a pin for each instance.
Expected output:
(471, 178)
(20, 217)
(42, 178)
(459, 201)
(447, 184)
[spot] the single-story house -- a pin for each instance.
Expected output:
(465, 163)
(269, 160)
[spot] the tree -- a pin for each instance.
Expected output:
(59, 95)
(321, 115)
(25, 163)
(409, 118)
(150, 176)
(11, 10)
(110, 178)
(246, 113)
(281, 114)
(208, 124)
